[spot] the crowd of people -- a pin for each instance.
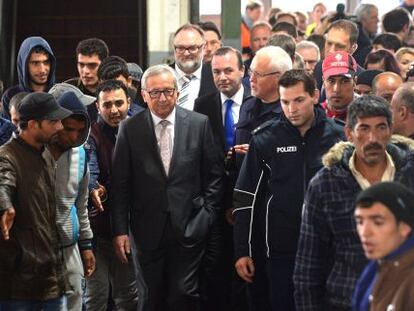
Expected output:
(277, 177)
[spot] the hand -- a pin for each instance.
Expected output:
(122, 247)
(229, 216)
(229, 153)
(98, 196)
(245, 268)
(241, 148)
(88, 259)
(6, 222)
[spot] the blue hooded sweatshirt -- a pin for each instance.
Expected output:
(23, 56)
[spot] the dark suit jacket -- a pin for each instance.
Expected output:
(143, 197)
(211, 106)
(207, 82)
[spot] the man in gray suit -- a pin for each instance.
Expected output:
(166, 189)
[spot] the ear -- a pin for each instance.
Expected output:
(403, 112)
(348, 133)
(31, 124)
(404, 229)
(315, 97)
(97, 105)
(354, 48)
(129, 81)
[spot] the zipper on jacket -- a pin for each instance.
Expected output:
(267, 227)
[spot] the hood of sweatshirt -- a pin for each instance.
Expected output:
(71, 102)
(23, 56)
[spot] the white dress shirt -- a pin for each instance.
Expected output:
(235, 108)
(193, 88)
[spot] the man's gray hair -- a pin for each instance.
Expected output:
(155, 71)
(304, 45)
(364, 10)
(278, 58)
(404, 96)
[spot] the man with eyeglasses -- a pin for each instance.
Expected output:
(167, 190)
(310, 54)
(213, 39)
(194, 78)
(339, 70)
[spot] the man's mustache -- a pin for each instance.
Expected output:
(373, 146)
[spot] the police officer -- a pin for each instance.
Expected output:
(283, 156)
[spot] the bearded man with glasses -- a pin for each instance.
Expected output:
(194, 78)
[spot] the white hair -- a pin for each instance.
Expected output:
(278, 58)
(303, 45)
(155, 71)
(364, 10)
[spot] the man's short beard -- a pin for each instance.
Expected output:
(189, 66)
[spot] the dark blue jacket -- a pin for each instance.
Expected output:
(253, 113)
(330, 256)
(284, 162)
(23, 56)
(6, 130)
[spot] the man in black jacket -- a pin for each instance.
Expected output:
(283, 156)
(31, 267)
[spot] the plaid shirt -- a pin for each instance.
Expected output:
(330, 257)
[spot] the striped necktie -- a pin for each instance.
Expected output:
(185, 90)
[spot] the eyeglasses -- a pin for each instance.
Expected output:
(191, 49)
(262, 75)
(157, 93)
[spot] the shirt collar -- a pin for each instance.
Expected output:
(237, 98)
(388, 174)
(157, 120)
(181, 74)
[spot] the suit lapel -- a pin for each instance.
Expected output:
(181, 129)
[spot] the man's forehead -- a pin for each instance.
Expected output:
(373, 120)
(338, 77)
(112, 95)
(335, 34)
(93, 58)
(39, 54)
(226, 60)
(188, 36)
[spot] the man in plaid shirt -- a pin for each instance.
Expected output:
(330, 257)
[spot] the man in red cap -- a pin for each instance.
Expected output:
(339, 69)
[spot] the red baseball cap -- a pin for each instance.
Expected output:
(339, 63)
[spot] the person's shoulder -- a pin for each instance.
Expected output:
(336, 125)
(194, 116)
(265, 128)
(204, 100)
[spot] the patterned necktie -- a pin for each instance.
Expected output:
(228, 124)
(185, 90)
(165, 145)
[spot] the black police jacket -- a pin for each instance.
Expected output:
(270, 189)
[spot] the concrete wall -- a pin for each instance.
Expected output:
(164, 17)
